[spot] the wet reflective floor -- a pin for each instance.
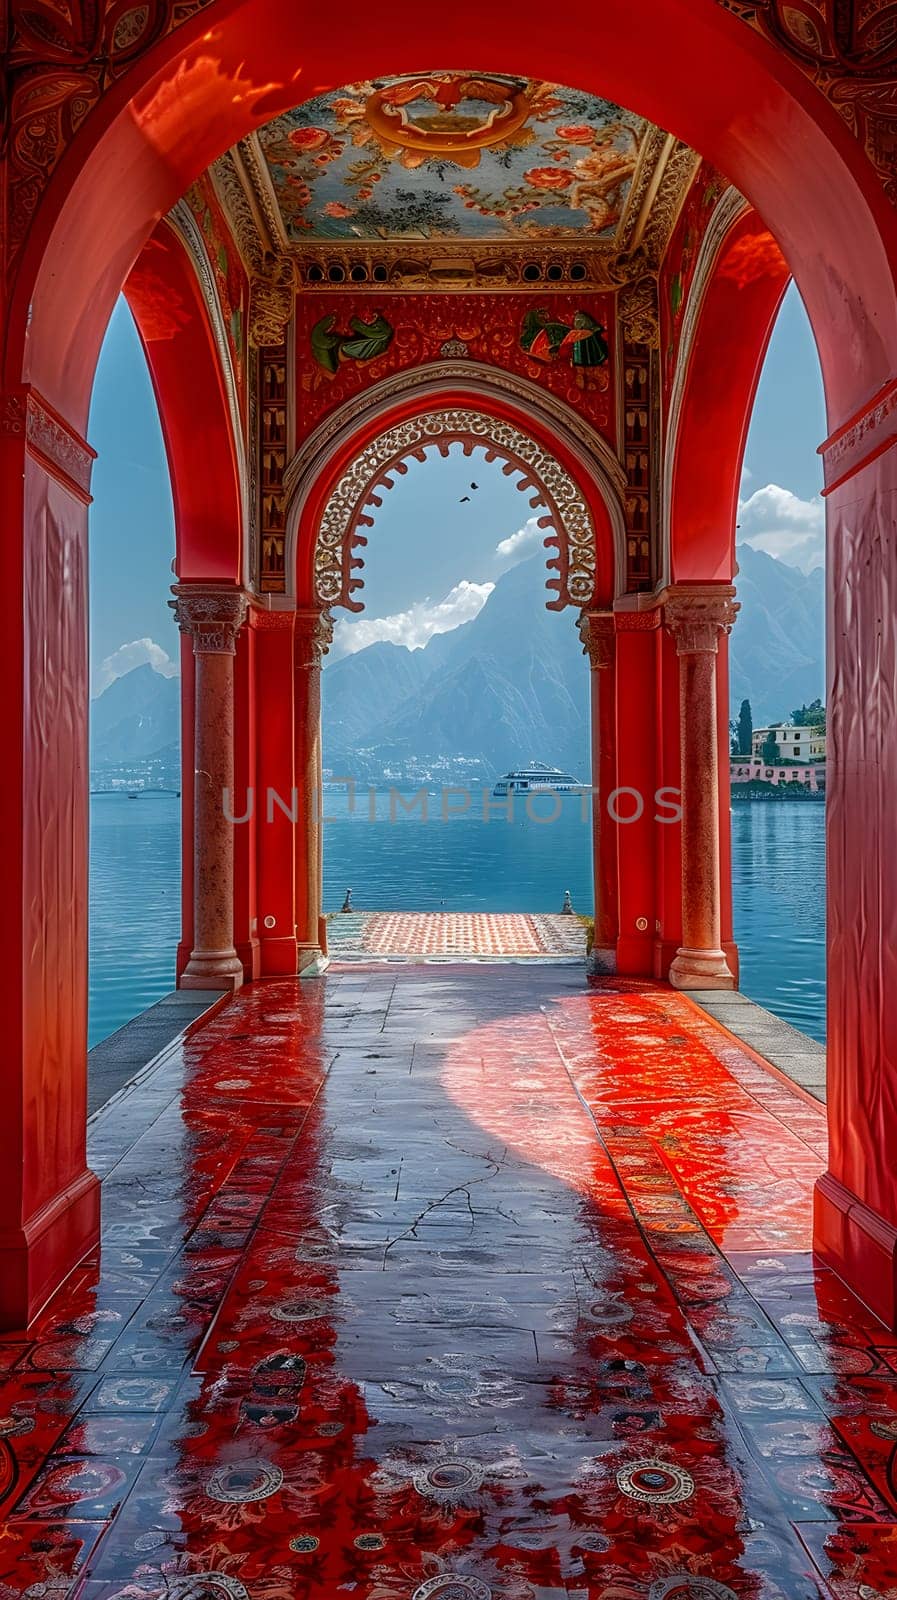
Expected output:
(453, 1283)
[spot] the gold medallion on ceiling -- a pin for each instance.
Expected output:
(449, 114)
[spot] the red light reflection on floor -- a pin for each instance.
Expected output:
(454, 1284)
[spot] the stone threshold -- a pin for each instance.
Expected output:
(115, 1062)
(794, 1054)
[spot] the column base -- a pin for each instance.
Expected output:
(601, 960)
(38, 1256)
(212, 969)
(700, 969)
(858, 1244)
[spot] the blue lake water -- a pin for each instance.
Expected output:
(404, 862)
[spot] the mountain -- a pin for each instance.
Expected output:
(512, 684)
(777, 648)
(137, 717)
(508, 686)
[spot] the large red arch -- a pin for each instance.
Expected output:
(686, 64)
(690, 66)
(742, 292)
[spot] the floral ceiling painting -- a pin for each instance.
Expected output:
(452, 155)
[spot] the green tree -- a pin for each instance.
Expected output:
(811, 716)
(770, 751)
(745, 729)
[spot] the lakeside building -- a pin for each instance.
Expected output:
(812, 775)
(795, 744)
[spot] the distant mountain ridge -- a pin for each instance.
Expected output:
(138, 717)
(509, 686)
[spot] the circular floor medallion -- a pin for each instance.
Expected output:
(299, 1311)
(657, 1482)
(370, 1541)
(609, 1313)
(239, 1482)
(206, 1586)
(304, 1544)
(449, 1480)
(448, 1587)
(73, 1482)
(150, 1541)
(687, 1586)
(597, 1544)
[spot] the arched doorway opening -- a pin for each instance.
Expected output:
(338, 479)
(777, 691)
(177, 105)
(134, 883)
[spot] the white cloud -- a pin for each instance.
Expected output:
(415, 626)
(779, 522)
(522, 543)
(128, 656)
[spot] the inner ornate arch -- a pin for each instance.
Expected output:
(359, 489)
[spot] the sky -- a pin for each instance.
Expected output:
(433, 555)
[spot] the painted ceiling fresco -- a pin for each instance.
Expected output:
(452, 155)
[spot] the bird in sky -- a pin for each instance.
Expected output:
(464, 500)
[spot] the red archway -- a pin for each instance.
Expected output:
(691, 67)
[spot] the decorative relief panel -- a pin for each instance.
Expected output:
(490, 328)
(273, 411)
(639, 457)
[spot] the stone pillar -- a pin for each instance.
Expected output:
(312, 636)
(212, 615)
(696, 618)
(599, 640)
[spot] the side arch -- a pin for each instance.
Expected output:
(172, 297)
(571, 473)
(739, 282)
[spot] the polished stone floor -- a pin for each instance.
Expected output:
(453, 1283)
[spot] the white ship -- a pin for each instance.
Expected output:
(537, 778)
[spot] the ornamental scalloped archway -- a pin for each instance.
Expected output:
(571, 476)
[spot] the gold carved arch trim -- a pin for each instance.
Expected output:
(567, 519)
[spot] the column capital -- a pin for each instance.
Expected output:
(598, 631)
(212, 614)
(314, 636)
(697, 616)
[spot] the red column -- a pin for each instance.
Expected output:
(212, 615)
(598, 634)
(246, 803)
(669, 789)
(632, 801)
(277, 799)
(696, 617)
(314, 631)
(49, 1200)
